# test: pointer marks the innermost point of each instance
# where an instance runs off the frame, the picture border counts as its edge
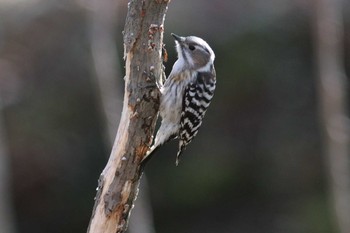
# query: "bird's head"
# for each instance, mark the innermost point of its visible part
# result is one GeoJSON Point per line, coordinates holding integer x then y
{"type": "Point", "coordinates": [194, 53]}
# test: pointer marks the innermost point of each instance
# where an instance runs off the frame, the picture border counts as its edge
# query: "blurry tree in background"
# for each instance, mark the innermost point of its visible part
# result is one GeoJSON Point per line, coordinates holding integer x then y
{"type": "Point", "coordinates": [103, 25]}
{"type": "Point", "coordinates": [257, 164]}
{"type": "Point", "coordinates": [333, 97]}
{"type": "Point", "coordinates": [6, 208]}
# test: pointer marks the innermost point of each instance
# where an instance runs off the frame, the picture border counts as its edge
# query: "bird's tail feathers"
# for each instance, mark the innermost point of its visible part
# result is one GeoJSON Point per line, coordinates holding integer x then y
{"type": "Point", "coordinates": [182, 147]}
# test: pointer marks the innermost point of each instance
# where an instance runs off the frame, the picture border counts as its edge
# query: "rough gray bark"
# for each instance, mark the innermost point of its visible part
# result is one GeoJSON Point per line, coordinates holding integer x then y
{"type": "Point", "coordinates": [118, 183]}
{"type": "Point", "coordinates": [332, 92]}
{"type": "Point", "coordinates": [108, 79]}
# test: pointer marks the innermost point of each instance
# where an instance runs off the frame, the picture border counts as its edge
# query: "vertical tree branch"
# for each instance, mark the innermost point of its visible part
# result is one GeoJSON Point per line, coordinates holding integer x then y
{"type": "Point", "coordinates": [332, 88]}
{"type": "Point", "coordinates": [118, 183]}
{"type": "Point", "coordinates": [108, 80]}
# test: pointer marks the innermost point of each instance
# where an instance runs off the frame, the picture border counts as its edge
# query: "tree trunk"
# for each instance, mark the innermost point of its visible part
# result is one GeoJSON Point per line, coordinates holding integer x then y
{"type": "Point", "coordinates": [332, 93]}
{"type": "Point", "coordinates": [118, 183]}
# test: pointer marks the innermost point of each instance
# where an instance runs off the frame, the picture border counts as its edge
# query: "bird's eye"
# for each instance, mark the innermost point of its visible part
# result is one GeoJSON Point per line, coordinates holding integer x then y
{"type": "Point", "coordinates": [191, 47]}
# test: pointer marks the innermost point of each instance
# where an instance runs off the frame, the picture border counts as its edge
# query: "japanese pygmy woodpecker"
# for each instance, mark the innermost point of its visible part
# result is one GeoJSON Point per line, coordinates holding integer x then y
{"type": "Point", "coordinates": [186, 93]}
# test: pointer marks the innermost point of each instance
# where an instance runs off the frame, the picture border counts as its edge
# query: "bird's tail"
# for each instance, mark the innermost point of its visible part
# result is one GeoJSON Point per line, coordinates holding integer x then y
{"type": "Point", "coordinates": [182, 147]}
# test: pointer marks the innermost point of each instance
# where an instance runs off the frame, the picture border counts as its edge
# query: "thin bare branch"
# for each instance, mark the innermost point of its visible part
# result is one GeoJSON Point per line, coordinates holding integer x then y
{"type": "Point", "coordinates": [118, 183]}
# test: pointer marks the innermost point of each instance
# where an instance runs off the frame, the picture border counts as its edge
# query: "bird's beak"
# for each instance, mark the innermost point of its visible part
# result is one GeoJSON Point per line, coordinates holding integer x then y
{"type": "Point", "coordinates": [178, 38]}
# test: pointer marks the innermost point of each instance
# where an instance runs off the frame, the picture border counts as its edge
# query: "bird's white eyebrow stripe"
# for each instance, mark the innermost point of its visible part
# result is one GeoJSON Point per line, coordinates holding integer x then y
{"type": "Point", "coordinates": [206, 50]}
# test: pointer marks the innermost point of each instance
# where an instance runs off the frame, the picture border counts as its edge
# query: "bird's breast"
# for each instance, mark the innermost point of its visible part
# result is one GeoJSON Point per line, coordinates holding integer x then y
{"type": "Point", "coordinates": [172, 95]}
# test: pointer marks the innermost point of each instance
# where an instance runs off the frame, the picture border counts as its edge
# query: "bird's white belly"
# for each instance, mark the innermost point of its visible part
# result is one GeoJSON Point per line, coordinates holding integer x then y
{"type": "Point", "coordinates": [171, 104]}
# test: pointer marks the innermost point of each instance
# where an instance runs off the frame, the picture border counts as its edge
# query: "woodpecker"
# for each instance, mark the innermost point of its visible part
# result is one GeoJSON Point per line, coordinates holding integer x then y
{"type": "Point", "coordinates": [186, 94]}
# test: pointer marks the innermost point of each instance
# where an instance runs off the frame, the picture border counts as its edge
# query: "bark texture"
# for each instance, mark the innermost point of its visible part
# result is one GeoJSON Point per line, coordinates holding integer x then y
{"type": "Point", "coordinates": [118, 183]}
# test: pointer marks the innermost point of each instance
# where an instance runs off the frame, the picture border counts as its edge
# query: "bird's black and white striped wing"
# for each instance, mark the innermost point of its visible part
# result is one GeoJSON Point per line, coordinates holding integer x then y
{"type": "Point", "coordinates": [196, 100]}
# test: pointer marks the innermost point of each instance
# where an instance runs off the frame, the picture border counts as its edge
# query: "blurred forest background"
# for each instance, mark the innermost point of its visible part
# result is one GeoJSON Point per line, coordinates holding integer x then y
{"type": "Point", "coordinates": [257, 165]}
